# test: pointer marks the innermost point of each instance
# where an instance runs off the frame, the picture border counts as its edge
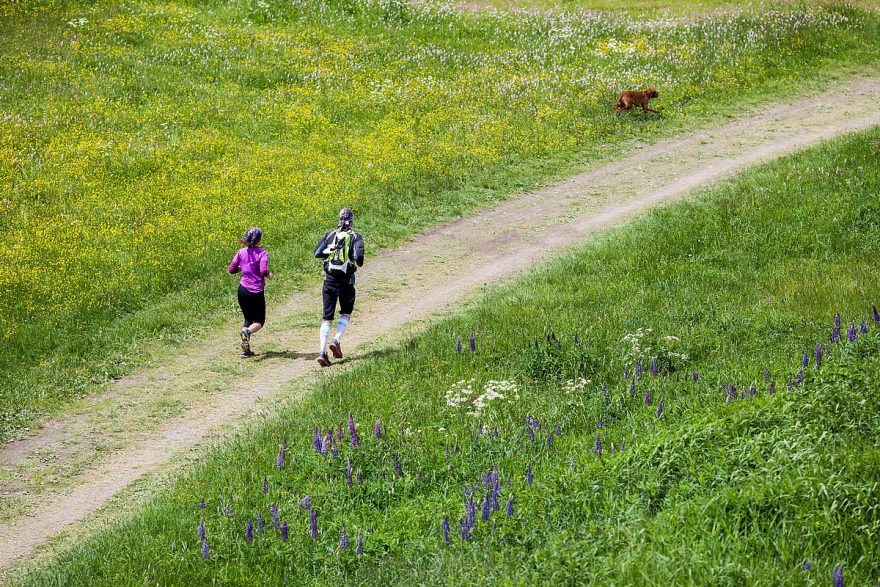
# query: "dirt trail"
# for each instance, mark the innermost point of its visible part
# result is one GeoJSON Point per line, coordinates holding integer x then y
{"type": "Point", "coordinates": [71, 467]}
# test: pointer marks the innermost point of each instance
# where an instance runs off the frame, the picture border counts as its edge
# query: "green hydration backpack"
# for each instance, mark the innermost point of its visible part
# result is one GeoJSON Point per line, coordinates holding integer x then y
{"type": "Point", "coordinates": [339, 264]}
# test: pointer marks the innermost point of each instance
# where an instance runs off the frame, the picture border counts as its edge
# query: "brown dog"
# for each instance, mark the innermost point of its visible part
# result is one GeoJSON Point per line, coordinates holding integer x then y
{"type": "Point", "coordinates": [629, 99]}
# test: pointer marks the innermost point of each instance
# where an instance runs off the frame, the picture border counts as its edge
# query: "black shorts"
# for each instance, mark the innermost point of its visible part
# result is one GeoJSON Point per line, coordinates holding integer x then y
{"type": "Point", "coordinates": [333, 292]}
{"type": "Point", "coordinates": [253, 306]}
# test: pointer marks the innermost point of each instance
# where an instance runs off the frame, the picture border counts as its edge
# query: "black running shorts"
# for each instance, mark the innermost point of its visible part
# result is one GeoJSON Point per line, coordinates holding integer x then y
{"type": "Point", "coordinates": [253, 306]}
{"type": "Point", "coordinates": [343, 293]}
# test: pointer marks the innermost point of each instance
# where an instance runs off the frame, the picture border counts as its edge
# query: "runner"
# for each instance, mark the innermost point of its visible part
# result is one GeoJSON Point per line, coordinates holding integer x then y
{"type": "Point", "coordinates": [253, 263]}
{"type": "Point", "coordinates": [343, 252]}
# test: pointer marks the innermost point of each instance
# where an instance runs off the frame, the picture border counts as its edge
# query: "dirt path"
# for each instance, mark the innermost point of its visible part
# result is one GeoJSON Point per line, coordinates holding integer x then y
{"type": "Point", "coordinates": [72, 467]}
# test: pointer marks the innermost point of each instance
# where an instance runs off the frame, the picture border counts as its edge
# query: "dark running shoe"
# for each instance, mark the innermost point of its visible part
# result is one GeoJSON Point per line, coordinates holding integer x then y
{"type": "Point", "coordinates": [324, 360]}
{"type": "Point", "coordinates": [245, 354]}
{"type": "Point", "coordinates": [245, 341]}
{"type": "Point", "coordinates": [336, 348]}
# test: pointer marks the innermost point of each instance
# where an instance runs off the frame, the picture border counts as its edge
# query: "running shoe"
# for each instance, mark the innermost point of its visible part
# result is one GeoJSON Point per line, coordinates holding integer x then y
{"type": "Point", "coordinates": [245, 341]}
{"type": "Point", "coordinates": [336, 348]}
{"type": "Point", "coordinates": [323, 359]}
{"type": "Point", "coordinates": [247, 353]}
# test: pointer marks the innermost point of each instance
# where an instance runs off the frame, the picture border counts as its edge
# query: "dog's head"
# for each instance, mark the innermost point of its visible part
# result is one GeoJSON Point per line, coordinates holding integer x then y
{"type": "Point", "coordinates": [652, 93]}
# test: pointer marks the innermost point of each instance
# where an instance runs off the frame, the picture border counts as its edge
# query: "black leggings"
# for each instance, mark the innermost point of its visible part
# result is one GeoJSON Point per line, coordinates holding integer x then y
{"type": "Point", "coordinates": [253, 306]}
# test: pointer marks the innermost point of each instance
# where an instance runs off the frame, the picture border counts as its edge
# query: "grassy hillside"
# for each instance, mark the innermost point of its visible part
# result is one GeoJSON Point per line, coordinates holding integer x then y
{"type": "Point", "coordinates": [677, 406]}
{"type": "Point", "coordinates": [138, 140]}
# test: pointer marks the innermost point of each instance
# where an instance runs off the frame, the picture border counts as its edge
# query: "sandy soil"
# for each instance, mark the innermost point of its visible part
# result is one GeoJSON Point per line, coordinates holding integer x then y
{"type": "Point", "coordinates": [71, 467]}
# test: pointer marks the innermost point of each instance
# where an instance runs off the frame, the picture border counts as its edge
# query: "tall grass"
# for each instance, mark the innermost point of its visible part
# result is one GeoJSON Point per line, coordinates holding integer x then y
{"type": "Point", "coordinates": [139, 140]}
{"type": "Point", "coordinates": [723, 486]}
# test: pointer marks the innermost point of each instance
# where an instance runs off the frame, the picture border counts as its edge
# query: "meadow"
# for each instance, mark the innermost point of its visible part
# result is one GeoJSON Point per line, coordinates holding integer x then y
{"type": "Point", "coordinates": [138, 140]}
{"type": "Point", "coordinates": [688, 399]}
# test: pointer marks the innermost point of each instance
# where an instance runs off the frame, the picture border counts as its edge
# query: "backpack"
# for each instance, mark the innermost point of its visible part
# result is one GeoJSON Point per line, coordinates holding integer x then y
{"type": "Point", "coordinates": [339, 264]}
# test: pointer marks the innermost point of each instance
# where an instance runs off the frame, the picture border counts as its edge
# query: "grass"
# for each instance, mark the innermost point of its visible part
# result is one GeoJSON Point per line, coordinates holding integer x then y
{"type": "Point", "coordinates": [737, 284]}
{"type": "Point", "coordinates": [133, 135]}
{"type": "Point", "coordinates": [640, 7]}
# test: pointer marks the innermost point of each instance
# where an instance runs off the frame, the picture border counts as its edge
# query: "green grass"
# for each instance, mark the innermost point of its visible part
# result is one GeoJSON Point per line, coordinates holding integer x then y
{"type": "Point", "coordinates": [139, 140]}
{"type": "Point", "coordinates": [747, 277]}
{"type": "Point", "coordinates": [641, 7]}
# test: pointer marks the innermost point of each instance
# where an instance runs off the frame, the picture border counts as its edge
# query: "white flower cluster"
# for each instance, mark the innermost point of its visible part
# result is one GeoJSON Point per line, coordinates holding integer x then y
{"type": "Point", "coordinates": [634, 340]}
{"type": "Point", "coordinates": [574, 385]}
{"type": "Point", "coordinates": [463, 395]}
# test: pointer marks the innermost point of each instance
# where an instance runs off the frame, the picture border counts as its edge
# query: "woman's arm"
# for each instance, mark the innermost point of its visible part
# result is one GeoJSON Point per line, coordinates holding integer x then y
{"type": "Point", "coordinates": [264, 264]}
{"type": "Point", "coordinates": [234, 266]}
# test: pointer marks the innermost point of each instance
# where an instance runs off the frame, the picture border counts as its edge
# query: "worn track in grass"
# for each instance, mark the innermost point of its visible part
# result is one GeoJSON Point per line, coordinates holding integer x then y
{"type": "Point", "coordinates": [68, 469]}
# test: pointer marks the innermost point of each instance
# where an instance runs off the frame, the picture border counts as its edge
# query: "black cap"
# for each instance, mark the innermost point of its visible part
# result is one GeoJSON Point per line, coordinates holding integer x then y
{"type": "Point", "coordinates": [346, 216]}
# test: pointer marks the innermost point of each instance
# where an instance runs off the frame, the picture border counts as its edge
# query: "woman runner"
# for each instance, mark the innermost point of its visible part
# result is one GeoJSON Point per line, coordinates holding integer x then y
{"type": "Point", "coordinates": [253, 263]}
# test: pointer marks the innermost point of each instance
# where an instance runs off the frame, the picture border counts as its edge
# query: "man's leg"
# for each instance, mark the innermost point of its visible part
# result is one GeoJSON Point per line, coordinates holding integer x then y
{"type": "Point", "coordinates": [336, 343]}
{"type": "Point", "coordinates": [330, 296]}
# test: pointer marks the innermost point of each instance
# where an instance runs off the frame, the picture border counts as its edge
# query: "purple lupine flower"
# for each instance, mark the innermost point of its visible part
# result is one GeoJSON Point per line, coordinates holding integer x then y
{"type": "Point", "coordinates": [876, 313]}
{"type": "Point", "coordinates": [743, 394]}
{"type": "Point", "coordinates": [852, 332]}
{"type": "Point", "coordinates": [377, 430]}
{"type": "Point", "coordinates": [529, 474]}
{"type": "Point", "coordinates": [496, 491]}
{"type": "Point", "coordinates": [648, 397]}
{"type": "Point", "coordinates": [550, 440]}
{"type": "Point", "coordinates": [531, 432]}
{"type": "Point", "coordinates": [510, 507]}
{"type": "Point", "coordinates": [601, 423]}
{"type": "Point", "coordinates": [273, 509]}
{"type": "Point", "coordinates": [654, 368]}
{"type": "Point", "coordinates": [228, 510]}
{"type": "Point", "coordinates": [334, 448]}
{"type": "Point", "coordinates": [472, 342]}
{"type": "Point", "coordinates": [495, 432]}
{"type": "Point", "coordinates": [420, 475]}
{"type": "Point", "coordinates": [201, 531]}
{"type": "Point", "coordinates": [632, 387]}
{"type": "Point", "coordinates": [343, 539]}
{"type": "Point", "coordinates": [696, 376]}
{"type": "Point", "coordinates": [348, 473]}
{"type": "Point", "coordinates": [837, 575]}
{"type": "Point", "coordinates": [306, 503]}
{"type": "Point", "coordinates": [458, 345]}
{"type": "Point", "coordinates": [446, 529]}
{"type": "Point", "coordinates": [808, 566]}
{"type": "Point", "coordinates": [559, 430]}
{"type": "Point", "coordinates": [597, 449]}
{"type": "Point", "coordinates": [864, 327]}
{"type": "Point", "coordinates": [318, 442]}
{"type": "Point", "coordinates": [398, 467]}
{"type": "Point", "coordinates": [625, 373]}
{"type": "Point", "coordinates": [360, 478]}
{"type": "Point", "coordinates": [488, 479]}
{"type": "Point", "coordinates": [265, 485]}
{"type": "Point", "coordinates": [789, 386]}
{"type": "Point", "coordinates": [622, 445]}
{"type": "Point", "coordinates": [605, 394]}
{"type": "Point", "coordinates": [279, 460]}
{"type": "Point", "coordinates": [818, 354]}
{"type": "Point", "coordinates": [767, 374]}
{"type": "Point", "coordinates": [577, 340]}
{"type": "Point", "coordinates": [359, 542]}
{"type": "Point", "coordinates": [753, 390]}
{"type": "Point", "coordinates": [494, 477]}
{"type": "Point", "coordinates": [837, 320]}
{"type": "Point", "coordinates": [261, 524]}
{"type": "Point", "coordinates": [733, 392]}
{"type": "Point", "coordinates": [639, 369]}
{"type": "Point", "coordinates": [325, 444]}
{"type": "Point", "coordinates": [249, 531]}
{"type": "Point", "coordinates": [806, 361]}
{"type": "Point", "coordinates": [465, 530]}
{"type": "Point", "coordinates": [772, 388]}
{"type": "Point", "coordinates": [340, 433]}
{"type": "Point", "coordinates": [352, 432]}
{"type": "Point", "coordinates": [202, 503]}
{"type": "Point", "coordinates": [206, 553]}
{"type": "Point", "coordinates": [284, 530]}
{"type": "Point", "coordinates": [835, 335]}
{"type": "Point", "coordinates": [487, 507]}
{"type": "Point", "coordinates": [800, 378]}
{"type": "Point", "coordinates": [479, 430]}
{"type": "Point", "coordinates": [660, 408]}
{"type": "Point", "coordinates": [313, 524]}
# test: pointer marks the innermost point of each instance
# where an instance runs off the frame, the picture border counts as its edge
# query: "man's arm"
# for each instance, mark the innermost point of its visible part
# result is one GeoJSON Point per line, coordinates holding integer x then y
{"type": "Point", "coordinates": [357, 245]}
{"type": "Point", "coordinates": [319, 250]}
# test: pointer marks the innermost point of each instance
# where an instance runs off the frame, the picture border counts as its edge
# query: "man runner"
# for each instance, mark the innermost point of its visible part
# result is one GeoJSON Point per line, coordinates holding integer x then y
{"type": "Point", "coordinates": [342, 250]}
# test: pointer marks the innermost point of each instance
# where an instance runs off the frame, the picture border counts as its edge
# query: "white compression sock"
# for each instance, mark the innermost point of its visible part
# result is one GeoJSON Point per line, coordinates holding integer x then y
{"type": "Point", "coordinates": [341, 325]}
{"type": "Point", "coordinates": [325, 334]}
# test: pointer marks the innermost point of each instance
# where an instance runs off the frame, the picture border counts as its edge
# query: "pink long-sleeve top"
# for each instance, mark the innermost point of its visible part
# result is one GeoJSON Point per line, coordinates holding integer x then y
{"type": "Point", "coordinates": [253, 262]}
